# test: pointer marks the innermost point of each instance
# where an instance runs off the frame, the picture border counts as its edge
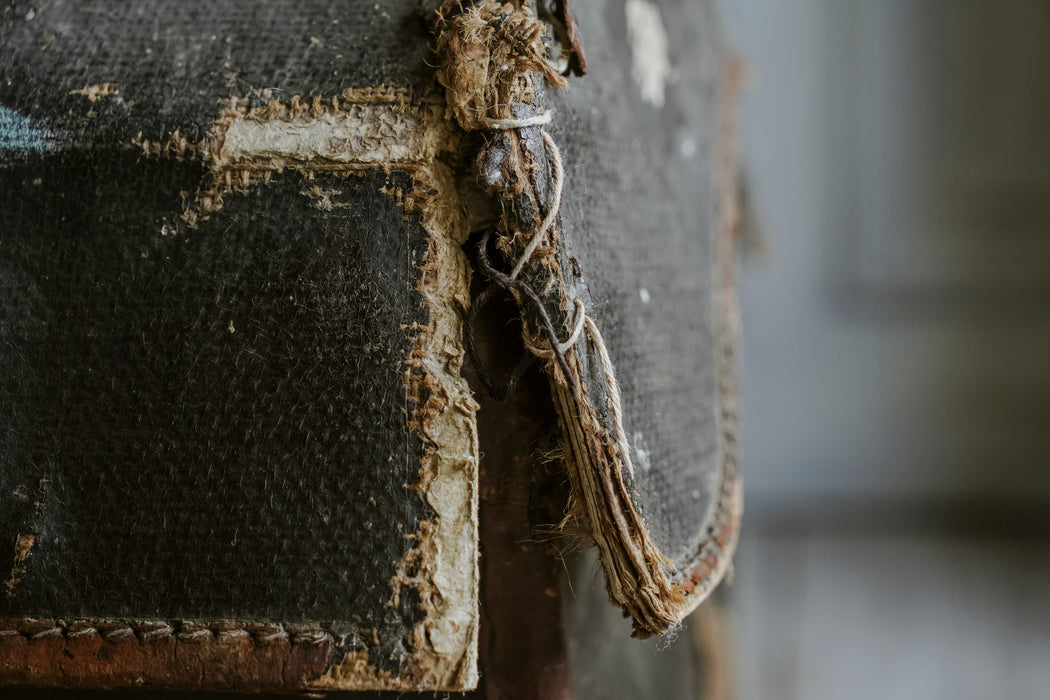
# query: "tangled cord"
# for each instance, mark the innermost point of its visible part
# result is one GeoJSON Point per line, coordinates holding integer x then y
{"type": "Point", "coordinates": [521, 291]}
{"type": "Point", "coordinates": [549, 347]}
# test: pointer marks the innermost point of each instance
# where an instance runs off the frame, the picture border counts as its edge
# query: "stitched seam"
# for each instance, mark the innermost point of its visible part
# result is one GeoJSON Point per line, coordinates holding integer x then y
{"type": "Point", "coordinates": [146, 631]}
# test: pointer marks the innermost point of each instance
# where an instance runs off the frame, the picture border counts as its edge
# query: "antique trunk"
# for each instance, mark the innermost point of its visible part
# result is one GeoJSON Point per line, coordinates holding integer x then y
{"type": "Point", "coordinates": [252, 259]}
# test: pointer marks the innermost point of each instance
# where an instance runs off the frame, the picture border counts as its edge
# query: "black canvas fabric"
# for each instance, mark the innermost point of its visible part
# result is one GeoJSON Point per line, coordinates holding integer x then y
{"type": "Point", "coordinates": [202, 422]}
{"type": "Point", "coordinates": [197, 423]}
{"type": "Point", "coordinates": [641, 217]}
{"type": "Point", "coordinates": [173, 61]}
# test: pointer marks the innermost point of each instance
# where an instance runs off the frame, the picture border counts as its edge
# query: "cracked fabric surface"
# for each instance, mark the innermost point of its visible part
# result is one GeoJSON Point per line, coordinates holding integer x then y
{"type": "Point", "coordinates": [229, 393]}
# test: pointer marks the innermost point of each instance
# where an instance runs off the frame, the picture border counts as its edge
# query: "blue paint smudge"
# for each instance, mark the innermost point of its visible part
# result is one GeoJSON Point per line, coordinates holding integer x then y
{"type": "Point", "coordinates": [18, 136]}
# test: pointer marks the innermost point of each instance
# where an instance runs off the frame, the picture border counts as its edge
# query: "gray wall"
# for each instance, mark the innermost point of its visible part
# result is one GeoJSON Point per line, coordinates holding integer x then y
{"type": "Point", "coordinates": [896, 379]}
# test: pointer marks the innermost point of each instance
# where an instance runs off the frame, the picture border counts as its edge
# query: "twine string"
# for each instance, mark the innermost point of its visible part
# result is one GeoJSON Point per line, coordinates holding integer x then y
{"type": "Point", "coordinates": [505, 124]}
{"type": "Point", "coordinates": [521, 290]}
{"type": "Point", "coordinates": [551, 347]}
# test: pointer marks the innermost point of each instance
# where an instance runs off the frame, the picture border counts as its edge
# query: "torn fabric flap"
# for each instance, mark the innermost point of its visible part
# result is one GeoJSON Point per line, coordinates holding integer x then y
{"type": "Point", "coordinates": [616, 233]}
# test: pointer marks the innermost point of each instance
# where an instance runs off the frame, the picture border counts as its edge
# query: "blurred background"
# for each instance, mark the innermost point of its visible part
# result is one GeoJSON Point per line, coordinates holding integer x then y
{"type": "Point", "coordinates": [896, 361]}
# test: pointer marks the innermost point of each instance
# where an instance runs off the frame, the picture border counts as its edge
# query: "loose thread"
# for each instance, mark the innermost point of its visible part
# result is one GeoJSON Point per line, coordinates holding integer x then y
{"type": "Point", "coordinates": [613, 391]}
{"type": "Point", "coordinates": [548, 352]}
{"type": "Point", "coordinates": [552, 211]}
{"type": "Point", "coordinates": [521, 289]}
{"type": "Point", "coordinates": [556, 349]}
{"type": "Point", "coordinates": [505, 124]}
